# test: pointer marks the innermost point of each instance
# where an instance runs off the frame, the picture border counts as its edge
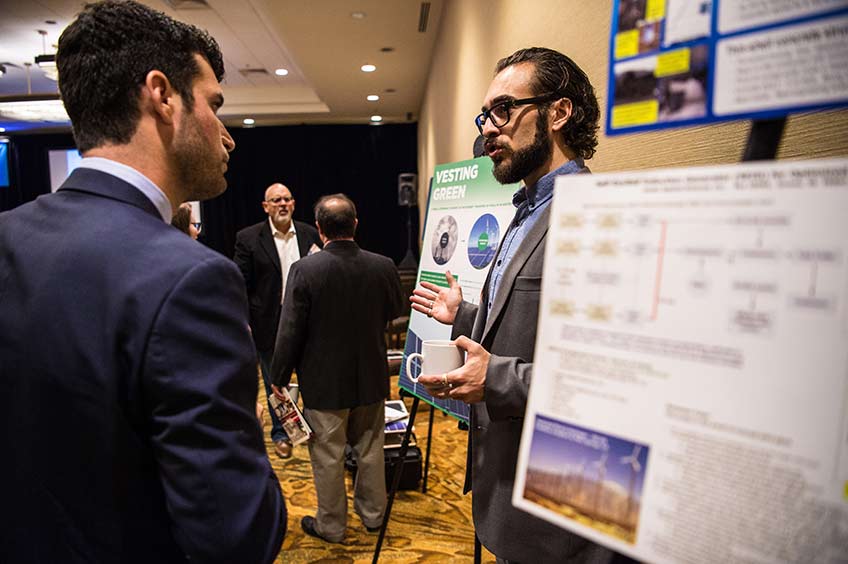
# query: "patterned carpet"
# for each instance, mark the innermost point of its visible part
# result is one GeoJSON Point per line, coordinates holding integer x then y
{"type": "Point", "coordinates": [431, 527]}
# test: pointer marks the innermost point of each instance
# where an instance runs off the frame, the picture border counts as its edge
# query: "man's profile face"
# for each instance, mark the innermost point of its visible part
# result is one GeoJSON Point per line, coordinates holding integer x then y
{"type": "Point", "coordinates": [201, 142]}
{"type": "Point", "coordinates": [521, 149]}
{"type": "Point", "coordinates": [278, 204]}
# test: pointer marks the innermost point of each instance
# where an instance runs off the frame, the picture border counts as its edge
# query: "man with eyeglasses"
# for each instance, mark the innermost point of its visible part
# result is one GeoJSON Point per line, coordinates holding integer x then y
{"type": "Point", "coordinates": [264, 253]}
{"type": "Point", "coordinates": [539, 121]}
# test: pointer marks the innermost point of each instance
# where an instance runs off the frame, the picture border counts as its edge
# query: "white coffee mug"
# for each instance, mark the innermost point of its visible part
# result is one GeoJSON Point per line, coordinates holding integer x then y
{"type": "Point", "coordinates": [437, 357]}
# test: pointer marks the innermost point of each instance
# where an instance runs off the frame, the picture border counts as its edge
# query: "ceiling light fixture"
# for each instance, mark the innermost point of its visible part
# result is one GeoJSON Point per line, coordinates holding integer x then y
{"type": "Point", "coordinates": [358, 15]}
{"type": "Point", "coordinates": [281, 72]}
{"type": "Point", "coordinates": [376, 119]}
{"type": "Point", "coordinates": [2, 130]}
{"type": "Point", "coordinates": [248, 121]}
{"type": "Point", "coordinates": [372, 97]}
{"type": "Point", "coordinates": [368, 68]}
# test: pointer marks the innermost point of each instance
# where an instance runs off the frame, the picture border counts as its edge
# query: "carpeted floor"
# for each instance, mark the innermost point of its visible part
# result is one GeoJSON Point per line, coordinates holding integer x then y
{"type": "Point", "coordinates": [431, 527]}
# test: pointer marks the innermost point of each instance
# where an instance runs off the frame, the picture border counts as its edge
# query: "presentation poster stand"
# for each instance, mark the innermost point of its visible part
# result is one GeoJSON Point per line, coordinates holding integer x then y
{"type": "Point", "coordinates": [468, 212]}
{"type": "Point", "coordinates": [690, 390]}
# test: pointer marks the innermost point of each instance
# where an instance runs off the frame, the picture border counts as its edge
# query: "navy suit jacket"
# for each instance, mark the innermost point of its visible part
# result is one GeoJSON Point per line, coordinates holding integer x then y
{"type": "Point", "coordinates": [129, 385]}
{"type": "Point", "coordinates": [257, 258]}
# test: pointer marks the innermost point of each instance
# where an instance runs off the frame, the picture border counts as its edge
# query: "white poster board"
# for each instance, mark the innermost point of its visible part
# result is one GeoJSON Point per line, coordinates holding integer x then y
{"type": "Point", "coordinates": [689, 400]}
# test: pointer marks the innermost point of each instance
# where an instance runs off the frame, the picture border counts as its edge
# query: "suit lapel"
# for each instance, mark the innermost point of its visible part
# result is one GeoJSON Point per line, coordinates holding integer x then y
{"type": "Point", "coordinates": [525, 249]}
{"type": "Point", "coordinates": [303, 243]}
{"type": "Point", "coordinates": [266, 243]}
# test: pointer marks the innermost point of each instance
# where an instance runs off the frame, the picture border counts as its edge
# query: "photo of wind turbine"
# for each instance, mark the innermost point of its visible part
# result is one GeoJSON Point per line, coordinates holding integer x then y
{"type": "Point", "coordinates": [590, 477]}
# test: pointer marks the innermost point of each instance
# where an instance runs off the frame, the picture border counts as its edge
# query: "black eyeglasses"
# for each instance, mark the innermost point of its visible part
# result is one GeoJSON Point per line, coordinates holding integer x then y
{"type": "Point", "coordinates": [500, 112]}
{"type": "Point", "coordinates": [279, 199]}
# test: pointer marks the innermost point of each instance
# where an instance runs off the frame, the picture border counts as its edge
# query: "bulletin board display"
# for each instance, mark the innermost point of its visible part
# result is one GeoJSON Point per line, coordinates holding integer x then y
{"type": "Point", "coordinates": [690, 62]}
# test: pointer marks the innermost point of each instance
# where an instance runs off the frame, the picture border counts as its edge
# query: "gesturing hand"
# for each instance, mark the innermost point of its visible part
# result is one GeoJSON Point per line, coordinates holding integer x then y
{"type": "Point", "coordinates": [437, 302]}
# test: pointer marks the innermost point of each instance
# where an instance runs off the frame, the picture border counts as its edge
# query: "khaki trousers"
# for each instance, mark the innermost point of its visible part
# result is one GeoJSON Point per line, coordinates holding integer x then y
{"type": "Point", "coordinates": [362, 428]}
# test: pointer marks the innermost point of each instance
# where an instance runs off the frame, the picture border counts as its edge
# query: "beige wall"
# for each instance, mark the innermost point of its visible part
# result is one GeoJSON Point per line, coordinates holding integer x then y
{"type": "Point", "coordinates": [474, 34]}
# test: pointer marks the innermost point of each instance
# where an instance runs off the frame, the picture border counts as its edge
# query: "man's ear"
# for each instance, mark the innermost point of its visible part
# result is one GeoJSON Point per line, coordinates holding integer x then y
{"type": "Point", "coordinates": [161, 95]}
{"type": "Point", "coordinates": [561, 109]}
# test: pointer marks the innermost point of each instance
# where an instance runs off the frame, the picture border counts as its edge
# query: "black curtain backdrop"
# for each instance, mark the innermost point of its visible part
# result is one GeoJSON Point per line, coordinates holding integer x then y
{"type": "Point", "coordinates": [362, 161]}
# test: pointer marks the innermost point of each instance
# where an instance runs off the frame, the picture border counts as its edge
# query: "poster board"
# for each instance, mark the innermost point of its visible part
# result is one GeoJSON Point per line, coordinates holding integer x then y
{"type": "Point", "coordinates": [468, 212]}
{"type": "Point", "coordinates": [691, 62]}
{"type": "Point", "coordinates": [689, 400]}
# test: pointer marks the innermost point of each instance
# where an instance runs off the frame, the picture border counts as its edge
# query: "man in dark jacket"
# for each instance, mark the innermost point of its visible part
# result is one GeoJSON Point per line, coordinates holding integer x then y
{"type": "Point", "coordinates": [264, 253]}
{"type": "Point", "coordinates": [332, 332]}
{"type": "Point", "coordinates": [128, 375]}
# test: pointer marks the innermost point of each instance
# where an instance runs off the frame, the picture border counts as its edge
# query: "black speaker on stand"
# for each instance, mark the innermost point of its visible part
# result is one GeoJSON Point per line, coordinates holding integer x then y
{"type": "Point", "coordinates": [408, 198]}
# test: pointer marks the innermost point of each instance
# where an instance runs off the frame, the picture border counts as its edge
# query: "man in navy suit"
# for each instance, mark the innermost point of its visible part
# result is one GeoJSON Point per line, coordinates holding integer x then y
{"type": "Point", "coordinates": [126, 363]}
{"type": "Point", "coordinates": [264, 253]}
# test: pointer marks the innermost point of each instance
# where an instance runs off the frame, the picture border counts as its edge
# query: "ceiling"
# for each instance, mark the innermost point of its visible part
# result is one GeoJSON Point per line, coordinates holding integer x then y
{"type": "Point", "coordinates": [322, 44]}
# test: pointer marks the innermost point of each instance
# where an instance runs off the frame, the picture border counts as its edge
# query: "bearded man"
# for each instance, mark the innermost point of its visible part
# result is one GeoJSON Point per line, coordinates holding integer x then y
{"type": "Point", "coordinates": [539, 121]}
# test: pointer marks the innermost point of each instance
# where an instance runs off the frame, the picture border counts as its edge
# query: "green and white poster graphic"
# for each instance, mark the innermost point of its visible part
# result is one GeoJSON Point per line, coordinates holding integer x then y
{"type": "Point", "coordinates": [468, 213]}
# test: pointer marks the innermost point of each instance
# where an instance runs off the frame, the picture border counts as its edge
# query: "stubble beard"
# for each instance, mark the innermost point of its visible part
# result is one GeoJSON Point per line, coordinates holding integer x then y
{"type": "Point", "coordinates": [198, 167]}
{"type": "Point", "coordinates": [526, 160]}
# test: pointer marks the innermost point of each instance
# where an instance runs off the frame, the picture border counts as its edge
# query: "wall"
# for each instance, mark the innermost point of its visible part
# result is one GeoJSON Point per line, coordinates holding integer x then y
{"type": "Point", "coordinates": [362, 161]}
{"type": "Point", "coordinates": [474, 34]}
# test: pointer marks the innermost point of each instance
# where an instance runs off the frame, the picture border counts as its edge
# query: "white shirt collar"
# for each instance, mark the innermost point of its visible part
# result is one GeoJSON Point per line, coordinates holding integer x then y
{"type": "Point", "coordinates": [134, 178]}
{"type": "Point", "coordinates": [274, 229]}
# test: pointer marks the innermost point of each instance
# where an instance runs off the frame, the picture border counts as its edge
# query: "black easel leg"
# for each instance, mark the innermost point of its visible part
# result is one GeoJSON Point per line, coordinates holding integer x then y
{"type": "Point", "coordinates": [398, 471]}
{"type": "Point", "coordinates": [427, 457]}
{"type": "Point", "coordinates": [478, 550]}
{"type": "Point", "coordinates": [764, 139]}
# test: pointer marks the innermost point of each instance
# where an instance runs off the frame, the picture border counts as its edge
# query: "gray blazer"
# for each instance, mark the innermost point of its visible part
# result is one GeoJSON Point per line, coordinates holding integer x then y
{"type": "Point", "coordinates": [509, 334]}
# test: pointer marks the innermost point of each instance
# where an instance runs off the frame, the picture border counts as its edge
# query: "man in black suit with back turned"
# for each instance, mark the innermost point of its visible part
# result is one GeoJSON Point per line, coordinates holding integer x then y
{"type": "Point", "coordinates": [127, 372]}
{"type": "Point", "coordinates": [332, 332]}
{"type": "Point", "coordinates": [264, 253]}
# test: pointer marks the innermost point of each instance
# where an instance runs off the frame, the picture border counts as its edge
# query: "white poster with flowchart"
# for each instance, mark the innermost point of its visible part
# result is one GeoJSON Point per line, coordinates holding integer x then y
{"type": "Point", "coordinates": [689, 400]}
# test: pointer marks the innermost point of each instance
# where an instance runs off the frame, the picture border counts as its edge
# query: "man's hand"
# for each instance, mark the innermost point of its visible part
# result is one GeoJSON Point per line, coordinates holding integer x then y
{"type": "Point", "coordinates": [277, 392]}
{"type": "Point", "coordinates": [468, 382]}
{"type": "Point", "coordinates": [439, 303]}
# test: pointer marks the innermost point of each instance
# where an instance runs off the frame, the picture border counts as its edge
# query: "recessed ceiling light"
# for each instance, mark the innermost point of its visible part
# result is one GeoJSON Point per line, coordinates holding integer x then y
{"type": "Point", "coordinates": [281, 72]}
{"type": "Point", "coordinates": [248, 121]}
{"type": "Point", "coordinates": [376, 118]}
{"type": "Point", "coordinates": [368, 68]}
{"type": "Point", "coordinates": [2, 130]}
{"type": "Point", "coordinates": [372, 97]}
{"type": "Point", "coordinates": [358, 15]}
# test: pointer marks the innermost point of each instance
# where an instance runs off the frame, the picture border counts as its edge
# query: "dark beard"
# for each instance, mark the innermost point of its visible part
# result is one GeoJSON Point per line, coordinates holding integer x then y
{"type": "Point", "coordinates": [196, 163]}
{"type": "Point", "coordinates": [527, 159]}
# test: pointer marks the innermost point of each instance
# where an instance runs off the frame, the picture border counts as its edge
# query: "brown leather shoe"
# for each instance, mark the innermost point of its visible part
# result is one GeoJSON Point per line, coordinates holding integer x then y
{"type": "Point", "coordinates": [283, 448]}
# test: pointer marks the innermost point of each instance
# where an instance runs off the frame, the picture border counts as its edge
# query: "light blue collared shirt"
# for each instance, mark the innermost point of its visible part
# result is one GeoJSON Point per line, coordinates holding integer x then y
{"type": "Point", "coordinates": [530, 202]}
{"type": "Point", "coordinates": [134, 178]}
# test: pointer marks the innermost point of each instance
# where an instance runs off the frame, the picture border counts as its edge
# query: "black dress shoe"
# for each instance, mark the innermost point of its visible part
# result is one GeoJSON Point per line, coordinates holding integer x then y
{"type": "Point", "coordinates": [308, 526]}
{"type": "Point", "coordinates": [373, 529]}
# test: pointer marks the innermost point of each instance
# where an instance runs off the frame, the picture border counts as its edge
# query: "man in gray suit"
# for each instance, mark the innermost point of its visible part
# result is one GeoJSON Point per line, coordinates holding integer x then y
{"type": "Point", "coordinates": [539, 121]}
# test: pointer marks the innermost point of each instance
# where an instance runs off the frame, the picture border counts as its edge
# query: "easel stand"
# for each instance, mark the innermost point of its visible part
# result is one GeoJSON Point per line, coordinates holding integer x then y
{"type": "Point", "coordinates": [764, 139]}
{"type": "Point", "coordinates": [404, 446]}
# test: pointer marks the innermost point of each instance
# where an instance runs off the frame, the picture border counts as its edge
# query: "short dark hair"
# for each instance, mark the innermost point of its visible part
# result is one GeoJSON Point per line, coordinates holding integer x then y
{"type": "Point", "coordinates": [336, 216]}
{"type": "Point", "coordinates": [182, 218]}
{"type": "Point", "coordinates": [556, 73]}
{"type": "Point", "coordinates": [104, 57]}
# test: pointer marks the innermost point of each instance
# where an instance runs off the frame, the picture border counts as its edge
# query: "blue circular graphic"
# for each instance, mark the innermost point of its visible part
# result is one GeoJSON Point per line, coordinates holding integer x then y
{"type": "Point", "coordinates": [483, 241]}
